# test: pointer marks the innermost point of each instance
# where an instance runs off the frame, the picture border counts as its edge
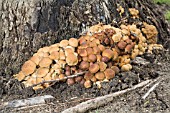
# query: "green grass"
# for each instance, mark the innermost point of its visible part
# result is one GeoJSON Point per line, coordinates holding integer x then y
{"type": "Point", "coordinates": [167, 15]}
{"type": "Point", "coordinates": [162, 1]}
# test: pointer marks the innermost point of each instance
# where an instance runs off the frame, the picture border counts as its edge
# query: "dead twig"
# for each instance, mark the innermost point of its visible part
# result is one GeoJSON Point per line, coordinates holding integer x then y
{"type": "Point", "coordinates": [150, 90]}
{"type": "Point", "coordinates": [57, 80]}
{"type": "Point", "coordinates": [99, 101]}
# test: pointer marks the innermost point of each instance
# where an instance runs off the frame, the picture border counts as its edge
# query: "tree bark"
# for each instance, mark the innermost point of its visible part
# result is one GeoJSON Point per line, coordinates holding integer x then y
{"type": "Point", "coordinates": [28, 25]}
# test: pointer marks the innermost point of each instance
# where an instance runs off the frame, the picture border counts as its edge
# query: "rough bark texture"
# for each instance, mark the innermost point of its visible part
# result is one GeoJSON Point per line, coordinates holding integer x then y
{"type": "Point", "coordinates": [31, 24]}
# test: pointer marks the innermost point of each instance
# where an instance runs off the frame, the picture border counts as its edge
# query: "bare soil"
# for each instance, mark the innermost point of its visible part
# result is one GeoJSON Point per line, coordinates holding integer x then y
{"type": "Point", "coordinates": [68, 96]}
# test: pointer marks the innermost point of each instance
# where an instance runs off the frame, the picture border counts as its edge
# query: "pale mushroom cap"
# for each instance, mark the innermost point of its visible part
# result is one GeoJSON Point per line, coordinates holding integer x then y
{"type": "Point", "coordinates": [28, 67]}
{"type": "Point", "coordinates": [63, 43]}
{"type": "Point", "coordinates": [73, 42]}
{"type": "Point", "coordinates": [36, 59]}
{"type": "Point", "coordinates": [45, 62]}
{"type": "Point", "coordinates": [87, 84]}
{"type": "Point", "coordinates": [68, 51]}
{"type": "Point", "coordinates": [44, 49]}
{"type": "Point", "coordinates": [71, 59]}
{"type": "Point", "coordinates": [55, 55]}
{"type": "Point", "coordinates": [82, 52]}
{"type": "Point", "coordinates": [39, 80]}
{"type": "Point", "coordinates": [20, 76]}
{"type": "Point", "coordinates": [54, 48]}
{"type": "Point", "coordinates": [41, 72]}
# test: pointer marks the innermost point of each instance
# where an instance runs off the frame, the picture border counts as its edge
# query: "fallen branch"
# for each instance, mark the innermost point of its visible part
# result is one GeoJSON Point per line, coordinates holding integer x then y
{"type": "Point", "coordinates": [57, 80]}
{"type": "Point", "coordinates": [27, 102]}
{"type": "Point", "coordinates": [150, 90]}
{"type": "Point", "coordinates": [99, 101]}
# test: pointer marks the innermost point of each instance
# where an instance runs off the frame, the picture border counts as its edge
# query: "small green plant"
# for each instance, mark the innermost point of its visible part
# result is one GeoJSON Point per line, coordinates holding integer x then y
{"type": "Point", "coordinates": [162, 1]}
{"type": "Point", "coordinates": [167, 15]}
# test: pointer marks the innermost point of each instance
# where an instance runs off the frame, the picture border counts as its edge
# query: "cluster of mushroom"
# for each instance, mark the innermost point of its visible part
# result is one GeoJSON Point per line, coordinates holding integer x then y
{"type": "Point", "coordinates": [103, 52]}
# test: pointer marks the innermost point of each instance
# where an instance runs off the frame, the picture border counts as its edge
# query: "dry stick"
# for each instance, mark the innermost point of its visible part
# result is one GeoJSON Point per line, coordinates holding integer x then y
{"type": "Point", "coordinates": [57, 80]}
{"type": "Point", "coordinates": [99, 101]}
{"type": "Point", "coordinates": [150, 90]}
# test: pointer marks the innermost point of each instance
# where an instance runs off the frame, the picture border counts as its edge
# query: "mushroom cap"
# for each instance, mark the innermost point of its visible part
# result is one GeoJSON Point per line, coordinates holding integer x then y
{"type": "Point", "coordinates": [94, 68]}
{"type": "Point", "coordinates": [108, 53]}
{"type": "Point", "coordinates": [82, 52]}
{"type": "Point", "coordinates": [78, 79]}
{"type": "Point", "coordinates": [115, 69]}
{"type": "Point", "coordinates": [92, 58]}
{"type": "Point", "coordinates": [85, 58]}
{"type": "Point", "coordinates": [73, 42]}
{"type": "Point", "coordinates": [82, 40]}
{"type": "Point", "coordinates": [71, 59]}
{"type": "Point", "coordinates": [63, 43]}
{"type": "Point", "coordinates": [93, 79]}
{"type": "Point", "coordinates": [101, 47]}
{"type": "Point", "coordinates": [96, 50]}
{"type": "Point", "coordinates": [68, 51]}
{"type": "Point", "coordinates": [44, 49]}
{"type": "Point", "coordinates": [45, 62]}
{"type": "Point", "coordinates": [102, 66]}
{"type": "Point", "coordinates": [20, 76]}
{"type": "Point", "coordinates": [87, 84]}
{"type": "Point", "coordinates": [88, 75]}
{"type": "Point", "coordinates": [70, 81]}
{"type": "Point", "coordinates": [129, 48]}
{"type": "Point", "coordinates": [105, 59]}
{"type": "Point", "coordinates": [116, 54]}
{"type": "Point", "coordinates": [92, 44]}
{"type": "Point", "coordinates": [126, 67]}
{"type": "Point", "coordinates": [89, 50]}
{"type": "Point", "coordinates": [36, 59]}
{"type": "Point", "coordinates": [48, 77]}
{"type": "Point", "coordinates": [109, 73]}
{"type": "Point", "coordinates": [28, 67]}
{"type": "Point", "coordinates": [55, 55]}
{"type": "Point", "coordinates": [122, 45]}
{"type": "Point", "coordinates": [84, 65]}
{"type": "Point", "coordinates": [54, 48]}
{"type": "Point", "coordinates": [38, 80]}
{"type": "Point", "coordinates": [41, 72]}
{"type": "Point", "coordinates": [100, 75]}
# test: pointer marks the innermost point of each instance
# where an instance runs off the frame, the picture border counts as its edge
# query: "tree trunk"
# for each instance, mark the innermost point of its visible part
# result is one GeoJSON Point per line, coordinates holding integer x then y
{"type": "Point", "coordinates": [28, 25]}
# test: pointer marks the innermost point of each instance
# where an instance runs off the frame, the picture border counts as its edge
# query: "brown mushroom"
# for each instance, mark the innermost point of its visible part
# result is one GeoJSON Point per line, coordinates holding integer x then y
{"type": "Point", "coordinates": [102, 66]}
{"type": "Point", "coordinates": [41, 72]}
{"type": "Point", "coordinates": [94, 68]}
{"type": "Point", "coordinates": [126, 67]}
{"type": "Point", "coordinates": [28, 67]}
{"type": "Point", "coordinates": [70, 81]}
{"type": "Point", "coordinates": [109, 73]}
{"type": "Point", "coordinates": [82, 52]}
{"type": "Point", "coordinates": [54, 48]}
{"type": "Point", "coordinates": [88, 75]}
{"type": "Point", "coordinates": [99, 57]}
{"type": "Point", "coordinates": [122, 45]}
{"type": "Point", "coordinates": [62, 55]}
{"type": "Point", "coordinates": [115, 69]}
{"type": "Point", "coordinates": [92, 58]}
{"type": "Point", "coordinates": [68, 51]}
{"type": "Point", "coordinates": [93, 79]}
{"type": "Point", "coordinates": [96, 50]}
{"type": "Point", "coordinates": [87, 84]}
{"type": "Point", "coordinates": [45, 62]}
{"type": "Point", "coordinates": [108, 53]}
{"type": "Point", "coordinates": [101, 47]}
{"type": "Point", "coordinates": [105, 59]}
{"type": "Point", "coordinates": [84, 65]}
{"type": "Point", "coordinates": [62, 77]}
{"type": "Point", "coordinates": [38, 87]}
{"type": "Point", "coordinates": [78, 79]}
{"type": "Point", "coordinates": [100, 75]}
{"type": "Point", "coordinates": [89, 50]}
